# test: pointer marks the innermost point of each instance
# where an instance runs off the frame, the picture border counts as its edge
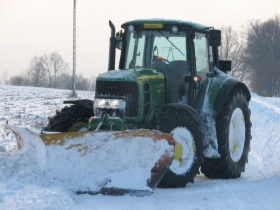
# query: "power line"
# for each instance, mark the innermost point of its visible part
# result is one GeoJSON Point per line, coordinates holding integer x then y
{"type": "Point", "coordinates": [106, 11]}
{"type": "Point", "coordinates": [92, 10]}
{"type": "Point", "coordinates": [120, 9]}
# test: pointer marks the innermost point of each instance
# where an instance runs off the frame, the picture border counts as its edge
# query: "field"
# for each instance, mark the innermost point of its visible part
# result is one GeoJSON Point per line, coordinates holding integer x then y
{"type": "Point", "coordinates": [23, 186]}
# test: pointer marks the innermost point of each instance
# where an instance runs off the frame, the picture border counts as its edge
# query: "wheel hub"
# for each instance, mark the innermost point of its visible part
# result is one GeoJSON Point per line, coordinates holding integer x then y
{"type": "Point", "coordinates": [236, 134]}
{"type": "Point", "coordinates": [178, 152]}
{"type": "Point", "coordinates": [184, 151]}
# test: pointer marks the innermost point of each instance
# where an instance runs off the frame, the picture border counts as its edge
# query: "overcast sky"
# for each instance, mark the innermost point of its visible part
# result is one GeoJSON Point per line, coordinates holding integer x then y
{"type": "Point", "coordinates": [35, 27]}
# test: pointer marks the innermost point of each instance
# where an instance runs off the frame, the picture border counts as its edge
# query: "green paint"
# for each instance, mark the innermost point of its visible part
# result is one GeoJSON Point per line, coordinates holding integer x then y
{"type": "Point", "coordinates": [143, 78]}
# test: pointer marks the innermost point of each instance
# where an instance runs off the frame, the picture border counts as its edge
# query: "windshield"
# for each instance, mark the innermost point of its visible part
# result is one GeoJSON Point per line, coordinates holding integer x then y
{"type": "Point", "coordinates": [144, 47]}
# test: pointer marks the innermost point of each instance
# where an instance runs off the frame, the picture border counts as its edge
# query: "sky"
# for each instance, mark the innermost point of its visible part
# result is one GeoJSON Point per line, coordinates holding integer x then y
{"type": "Point", "coordinates": [31, 28]}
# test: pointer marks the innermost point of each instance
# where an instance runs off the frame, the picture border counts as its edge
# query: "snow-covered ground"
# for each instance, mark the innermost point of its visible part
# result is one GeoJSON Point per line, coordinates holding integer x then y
{"type": "Point", "coordinates": [23, 186]}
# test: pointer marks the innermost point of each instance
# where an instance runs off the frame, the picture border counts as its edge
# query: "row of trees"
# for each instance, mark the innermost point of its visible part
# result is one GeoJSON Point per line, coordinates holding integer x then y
{"type": "Point", "coordinates": [51, 71]}
{"type": "Point", "coordinates": [255, 55]}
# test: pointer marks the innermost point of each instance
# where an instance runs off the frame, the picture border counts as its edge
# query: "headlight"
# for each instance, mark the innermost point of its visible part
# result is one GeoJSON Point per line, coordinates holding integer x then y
{"type": "Point", "coordinates": [131, 28]}
{"type": "Point", "coordinates": [109, 104]}
{"type": "Point", "coordinates": [117, 104]}
{"type": "Point", "coordinates": [174, 29]}
{"type": "Point", "coordinates": [101, 102]}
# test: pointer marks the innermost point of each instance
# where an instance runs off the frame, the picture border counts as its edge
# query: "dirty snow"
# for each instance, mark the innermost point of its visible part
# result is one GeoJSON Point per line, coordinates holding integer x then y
{"type": "Point", "coordinates": [22, 185]}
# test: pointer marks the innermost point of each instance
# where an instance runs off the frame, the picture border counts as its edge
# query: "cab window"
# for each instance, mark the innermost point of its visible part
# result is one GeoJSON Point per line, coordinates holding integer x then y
{"type": "Point", "coordinates": [136, 50]}
{"type": "Point", "coordinates": [201, 54]}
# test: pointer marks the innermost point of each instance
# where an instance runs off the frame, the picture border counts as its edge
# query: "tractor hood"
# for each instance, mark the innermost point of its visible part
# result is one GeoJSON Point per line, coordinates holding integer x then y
{"type": "Point", "coordinates": [142, 89]}
{"type": "Point", "coordinates": [138, 75]}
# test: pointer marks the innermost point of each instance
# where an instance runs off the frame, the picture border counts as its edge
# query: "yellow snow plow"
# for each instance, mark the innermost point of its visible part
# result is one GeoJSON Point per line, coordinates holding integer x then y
{"type": "Point", "coordinates": [115, 163]}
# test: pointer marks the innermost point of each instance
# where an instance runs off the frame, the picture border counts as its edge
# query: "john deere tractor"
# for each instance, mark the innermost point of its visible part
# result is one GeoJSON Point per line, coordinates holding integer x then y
{"type": "Point", "coordinates": [170, 79]}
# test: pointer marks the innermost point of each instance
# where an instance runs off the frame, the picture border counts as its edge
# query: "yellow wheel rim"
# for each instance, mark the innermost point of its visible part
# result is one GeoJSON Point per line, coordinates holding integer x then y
{"type": "Point", "coordinates": [78, 126]}
{"type": "Point", "coordinates": [184, 153]}
{"type": "Point", "coordinates": [178, 151]}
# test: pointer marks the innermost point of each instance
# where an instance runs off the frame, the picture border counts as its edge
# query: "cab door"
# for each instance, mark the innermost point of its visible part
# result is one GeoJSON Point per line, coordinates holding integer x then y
{"type": "Point", "coordinates": [202, 56]}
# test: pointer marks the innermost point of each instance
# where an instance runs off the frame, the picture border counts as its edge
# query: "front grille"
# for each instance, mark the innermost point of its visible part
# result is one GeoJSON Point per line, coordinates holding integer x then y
{"type": "Point", "coordinates": [121, 90]}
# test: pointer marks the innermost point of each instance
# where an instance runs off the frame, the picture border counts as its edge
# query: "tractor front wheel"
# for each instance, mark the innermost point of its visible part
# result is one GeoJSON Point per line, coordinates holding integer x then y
{"type": "Point", "coordinates": [69, 119]}
{"type": "Point", "coordinates": [188, 147]}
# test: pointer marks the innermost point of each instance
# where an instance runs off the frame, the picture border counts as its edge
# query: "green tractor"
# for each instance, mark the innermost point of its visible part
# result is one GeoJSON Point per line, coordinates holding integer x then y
{"type": "Point", "coordinates": [170, 79]}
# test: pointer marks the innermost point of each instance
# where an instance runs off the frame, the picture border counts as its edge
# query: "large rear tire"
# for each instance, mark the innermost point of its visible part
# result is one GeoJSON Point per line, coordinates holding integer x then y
{"type": "Point", "coordinates": [188, 147]}
{"type": "Point", "coordinates": [233, 127]}
{"type": "Point", "coordinates": [72, 118]}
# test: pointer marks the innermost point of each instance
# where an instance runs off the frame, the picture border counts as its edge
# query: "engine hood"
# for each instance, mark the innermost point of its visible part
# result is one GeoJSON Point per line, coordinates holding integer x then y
{"type": "Point", "coordinates": [137, 75]}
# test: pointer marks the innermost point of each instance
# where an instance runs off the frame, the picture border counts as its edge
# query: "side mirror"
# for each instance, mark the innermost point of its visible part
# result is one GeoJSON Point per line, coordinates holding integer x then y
{"type": "Point", "coordinates": [214, 38]}
{"type": "Point", "coordinates": [225, 66]}
{"type": "Point", "coordinates": [119, 40]}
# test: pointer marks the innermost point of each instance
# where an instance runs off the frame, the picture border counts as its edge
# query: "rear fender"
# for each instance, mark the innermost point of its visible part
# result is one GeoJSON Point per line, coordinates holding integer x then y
{"type": "Point", "coordinates": [224, 91]}
{"type": "Point", "coordinates": [213, 92]}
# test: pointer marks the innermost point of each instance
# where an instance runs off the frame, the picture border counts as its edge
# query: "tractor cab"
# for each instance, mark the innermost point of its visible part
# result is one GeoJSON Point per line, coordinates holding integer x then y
{"type": "Point", "coordinates": [182, 51]}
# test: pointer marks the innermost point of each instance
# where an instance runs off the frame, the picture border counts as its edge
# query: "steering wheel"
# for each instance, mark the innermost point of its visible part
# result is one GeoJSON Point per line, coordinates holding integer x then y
{"type": "Point", "coordinates": [166, 61]}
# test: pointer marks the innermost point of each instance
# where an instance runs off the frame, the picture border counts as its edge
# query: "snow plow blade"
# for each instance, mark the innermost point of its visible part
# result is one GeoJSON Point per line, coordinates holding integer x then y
{"type": "Point", "coordinates": [111, 163]}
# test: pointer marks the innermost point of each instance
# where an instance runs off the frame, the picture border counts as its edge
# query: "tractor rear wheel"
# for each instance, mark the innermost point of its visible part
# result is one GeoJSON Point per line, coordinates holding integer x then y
{"type": "Point", "coordinates": [233, 127]}
{"type": "Point", "coordinates": [188, 147]}
{"type": "Point", "coordinates": [69, 119]}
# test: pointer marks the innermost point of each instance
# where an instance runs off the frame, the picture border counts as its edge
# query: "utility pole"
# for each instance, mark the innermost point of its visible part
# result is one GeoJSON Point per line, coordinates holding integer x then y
{"type": "Point", "coordinates": [74, 94]}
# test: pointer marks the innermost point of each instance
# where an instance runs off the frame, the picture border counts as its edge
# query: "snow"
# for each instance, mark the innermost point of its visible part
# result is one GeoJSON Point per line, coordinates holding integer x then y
{"type": "Point", "coordinates": [23, 186]}
{"type": "Point", "coordinates": [95, 160]}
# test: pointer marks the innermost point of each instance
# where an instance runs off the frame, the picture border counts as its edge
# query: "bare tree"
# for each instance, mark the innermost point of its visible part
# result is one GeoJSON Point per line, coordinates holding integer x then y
{"type": "Point", "coordinates": [17, 80]}
{"type": "Point", "coordinates": [36, 71]}
{"type": "Point", "coordinates": [50, 70]}
{"type": "Point", "coordinates": [55, 67]}
{"type": "Point", "coordinates": [26, 80]}
{"type": "Point", "coordinates": [262, 56]}
{"type": "Point", "coordinates": [65, 81]}
{"type": "Point", "coordinates": [92, 83]}
{"type": "Point", "coordinates": [20, 80]}
{"type": "Point", "coordinates": [82, 83]}
{"type": "Point", "coordinates": [5, 78]}
{"type": "Point", "coordinates": [232, 49]}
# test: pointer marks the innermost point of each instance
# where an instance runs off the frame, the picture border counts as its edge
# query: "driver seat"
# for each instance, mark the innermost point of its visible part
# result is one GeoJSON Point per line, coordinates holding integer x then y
{"type": "Point", "coordinates": [158, 64]}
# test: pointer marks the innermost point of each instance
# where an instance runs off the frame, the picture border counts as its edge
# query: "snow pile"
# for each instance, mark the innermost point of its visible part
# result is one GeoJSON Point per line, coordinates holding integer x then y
{"type": "Point", "coordinates": [264, 158]}
{"type": "Point", "coordinates": [24, 186]}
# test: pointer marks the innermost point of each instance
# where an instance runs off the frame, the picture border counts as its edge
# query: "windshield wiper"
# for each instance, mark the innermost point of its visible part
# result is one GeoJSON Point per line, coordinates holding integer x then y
{"type": "Point", "coordinates": [171, 42]}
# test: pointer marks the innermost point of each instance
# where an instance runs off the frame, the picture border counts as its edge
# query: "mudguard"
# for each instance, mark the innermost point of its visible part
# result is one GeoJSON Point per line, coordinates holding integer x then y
{"type": "Point", "coordinates": [214, 91]}
{"type": "Point", "coordinates": [224, 91]}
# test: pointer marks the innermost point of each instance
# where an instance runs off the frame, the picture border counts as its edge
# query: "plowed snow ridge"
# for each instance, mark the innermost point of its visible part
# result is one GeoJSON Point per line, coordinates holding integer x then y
{"type": "Point", "coordinates": [22, 186]}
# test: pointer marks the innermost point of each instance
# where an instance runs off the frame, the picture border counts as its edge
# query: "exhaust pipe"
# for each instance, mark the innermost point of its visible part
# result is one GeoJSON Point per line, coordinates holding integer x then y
{"type": "Point", "coordinates": [112, 48]}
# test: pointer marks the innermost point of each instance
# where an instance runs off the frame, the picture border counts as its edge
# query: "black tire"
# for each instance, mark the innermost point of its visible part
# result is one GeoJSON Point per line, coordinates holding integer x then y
{"type": "Point", "coordinates": [167, 122]}
{"type": "Point", "coordinates": [230, 166]}
{"type": "Point", "coordinates": [71, 118]}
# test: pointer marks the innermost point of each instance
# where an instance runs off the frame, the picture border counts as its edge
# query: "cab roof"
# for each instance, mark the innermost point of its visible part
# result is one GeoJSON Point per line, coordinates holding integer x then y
{"type": "Point", "coordinates": [185, 23]}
